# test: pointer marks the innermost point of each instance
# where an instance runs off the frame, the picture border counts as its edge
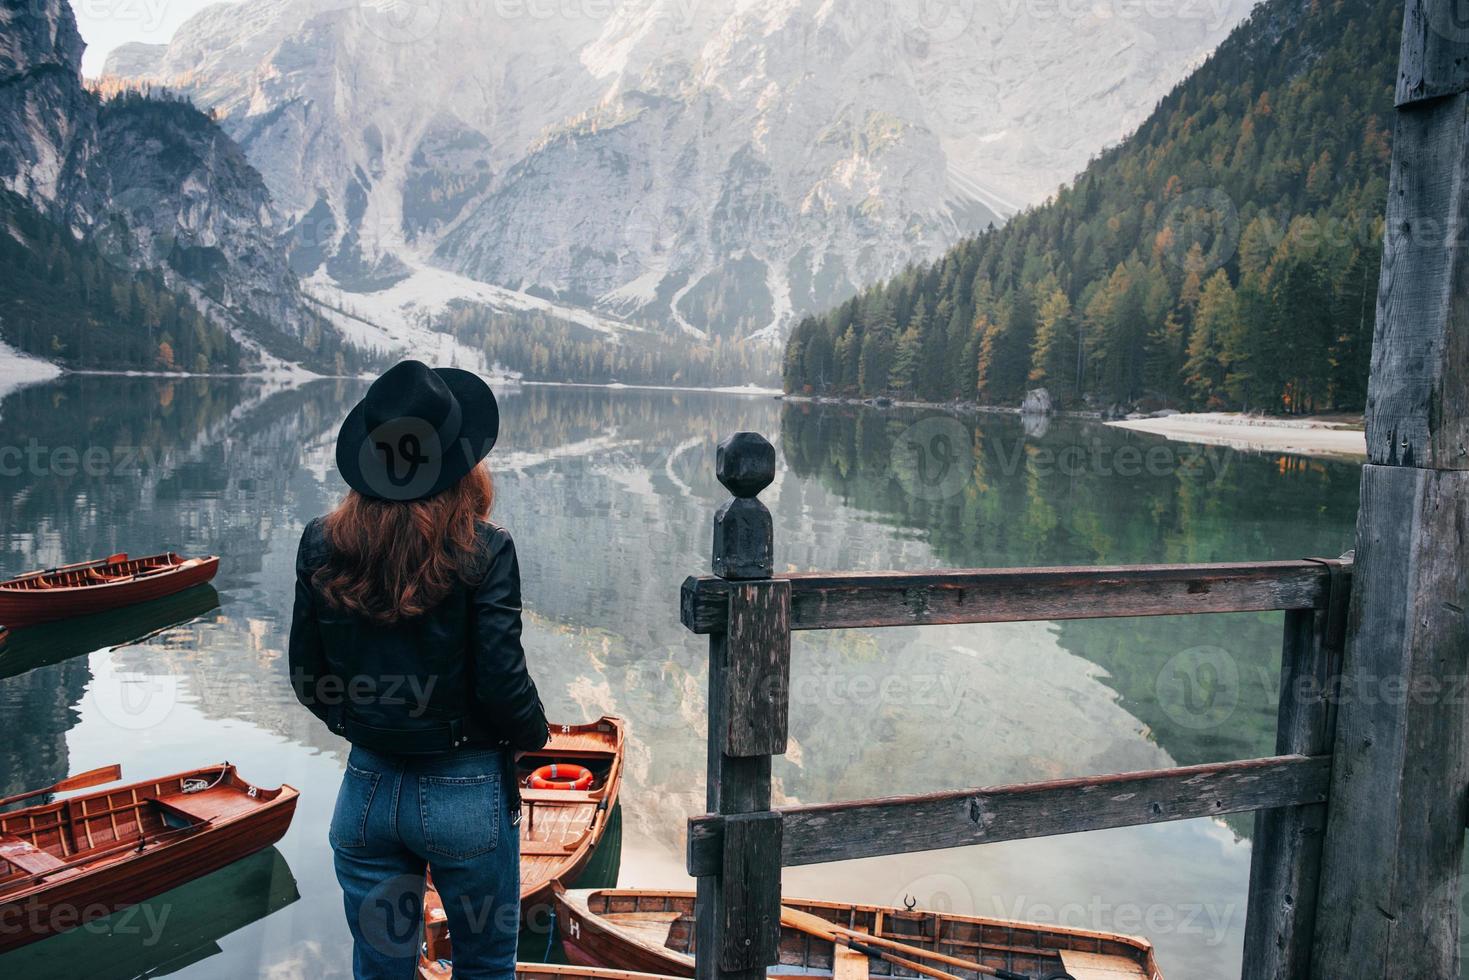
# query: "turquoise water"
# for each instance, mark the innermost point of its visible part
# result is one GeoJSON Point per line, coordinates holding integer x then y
{"type": "Point", "coordinates": [610, 495]}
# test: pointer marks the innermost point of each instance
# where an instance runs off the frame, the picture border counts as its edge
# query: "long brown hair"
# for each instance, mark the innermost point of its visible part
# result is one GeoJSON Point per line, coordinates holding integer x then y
{"type": "Point", "coordinates": [389, 561]}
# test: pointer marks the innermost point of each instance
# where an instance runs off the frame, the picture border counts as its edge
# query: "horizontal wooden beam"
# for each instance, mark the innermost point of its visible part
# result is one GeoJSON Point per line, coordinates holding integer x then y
{"type": "Point", "coordinates": [1006, 595]}
{"type": "Point", "coordinates": [900, 825]}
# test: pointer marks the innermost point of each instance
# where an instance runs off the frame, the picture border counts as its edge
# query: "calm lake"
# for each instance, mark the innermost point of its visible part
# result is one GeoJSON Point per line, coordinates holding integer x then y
{"type": "Point", "coordinates": [610, 495]}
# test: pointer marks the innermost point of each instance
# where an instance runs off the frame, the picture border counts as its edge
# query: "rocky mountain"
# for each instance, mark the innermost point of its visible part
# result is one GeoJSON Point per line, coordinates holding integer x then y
{"type": "Point", "coordinates": [157, 209]}
{"type": "Point", "coordinates": [718, 167]}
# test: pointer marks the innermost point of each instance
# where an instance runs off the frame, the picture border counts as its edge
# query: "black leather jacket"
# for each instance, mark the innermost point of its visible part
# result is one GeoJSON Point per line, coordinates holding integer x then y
{"type": "Point", "coordinates": [453, 678]}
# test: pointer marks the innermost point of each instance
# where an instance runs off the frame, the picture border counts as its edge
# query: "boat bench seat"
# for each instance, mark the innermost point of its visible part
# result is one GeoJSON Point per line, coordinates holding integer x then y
{"type": "Point", "coordinates": [1099, 966]}
{"type": "Point", "coordinates": [204, 806]}
{"type": "Point", "coordinates": [849, 964]}
{"type": "Point", "coordinates": [26, 856]}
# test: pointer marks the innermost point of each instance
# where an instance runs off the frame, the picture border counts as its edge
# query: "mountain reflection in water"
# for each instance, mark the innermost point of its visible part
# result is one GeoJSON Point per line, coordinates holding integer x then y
{"type": "Point", "coordinates": [610, 495]}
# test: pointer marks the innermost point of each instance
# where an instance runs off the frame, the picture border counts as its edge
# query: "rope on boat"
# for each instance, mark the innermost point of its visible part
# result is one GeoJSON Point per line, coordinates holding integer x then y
{"type": "Point", "coordinates": [551, 936]}
{"type": "Point", "coordinates": [199, 786]}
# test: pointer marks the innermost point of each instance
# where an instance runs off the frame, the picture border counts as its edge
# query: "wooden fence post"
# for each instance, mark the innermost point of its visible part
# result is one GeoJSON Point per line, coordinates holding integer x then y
{"type": "Point", "coordinates": [1389, 897]}
{"type": "Point", "coordinates": [1285, 863]}
{"type": "Point", "coordinates": [738, 909]}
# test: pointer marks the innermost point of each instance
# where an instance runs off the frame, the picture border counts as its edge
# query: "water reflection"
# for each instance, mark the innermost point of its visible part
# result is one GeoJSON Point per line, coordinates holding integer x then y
{"type": "Point", "coordinates": [168, 934]}
{"type": "Point", "coordinates": [54, 643]}
{"type": "Point", "coordinates": [610, 495]}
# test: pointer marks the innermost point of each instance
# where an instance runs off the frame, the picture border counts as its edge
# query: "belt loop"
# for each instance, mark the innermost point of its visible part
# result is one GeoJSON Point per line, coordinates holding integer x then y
{"type": "Point", "coordinates": [456, 733]}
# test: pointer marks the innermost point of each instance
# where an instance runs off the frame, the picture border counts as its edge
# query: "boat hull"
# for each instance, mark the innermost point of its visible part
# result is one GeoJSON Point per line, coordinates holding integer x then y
{"type": "Point", "coordinates": [653, 931]}
{"type": "Point", "coordinates": [31, 606]}
{"type": "Point", "coordinates": [69, 898]}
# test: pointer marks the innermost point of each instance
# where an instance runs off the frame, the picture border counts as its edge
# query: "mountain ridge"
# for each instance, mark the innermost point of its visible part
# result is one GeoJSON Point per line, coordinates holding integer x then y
{"type": "Point", "coordinates": [149, 196]}
{"type": "Point", "coordinates": [707, 170]}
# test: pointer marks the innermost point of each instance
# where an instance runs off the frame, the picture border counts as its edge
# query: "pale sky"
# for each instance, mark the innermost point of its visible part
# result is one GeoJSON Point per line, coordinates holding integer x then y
{"type": "Point", "coordinates": [107, 23]}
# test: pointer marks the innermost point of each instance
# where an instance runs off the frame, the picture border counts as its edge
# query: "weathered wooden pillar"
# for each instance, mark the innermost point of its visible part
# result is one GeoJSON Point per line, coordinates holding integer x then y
{"type": "Point", "coordinates": [749, 668]}
{"type": "Point", "coordinates": [1389, 897]}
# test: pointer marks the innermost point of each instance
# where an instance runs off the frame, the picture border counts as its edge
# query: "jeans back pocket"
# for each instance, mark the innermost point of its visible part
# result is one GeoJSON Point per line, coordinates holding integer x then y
{"type": "Point", "coordinates": [354, 800]}
{"type": "Point", "coordinates": [461, 814]}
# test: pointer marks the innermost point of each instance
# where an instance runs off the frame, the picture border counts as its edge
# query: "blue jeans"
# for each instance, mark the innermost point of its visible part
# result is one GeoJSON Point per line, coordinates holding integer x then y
{"type": "Point", "coordinates": [397, 817]}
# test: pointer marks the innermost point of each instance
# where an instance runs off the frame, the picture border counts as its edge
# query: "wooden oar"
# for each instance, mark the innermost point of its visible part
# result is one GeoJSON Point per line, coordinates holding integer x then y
{"type": "Point", "coordinates": [815, 925]}
{"type": "Point", "coordinates": [92, 777]}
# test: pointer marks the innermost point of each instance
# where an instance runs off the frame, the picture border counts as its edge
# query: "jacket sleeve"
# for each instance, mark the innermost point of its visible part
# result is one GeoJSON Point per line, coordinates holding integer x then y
{"type": "Point", "coordinates": [309, 671]}
{"type": "Point", "coordinates": [504, 693]}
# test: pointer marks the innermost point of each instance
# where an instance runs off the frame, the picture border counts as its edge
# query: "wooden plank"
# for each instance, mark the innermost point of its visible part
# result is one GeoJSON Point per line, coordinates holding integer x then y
{"type": "Point", "coordinates": [1418, 397]}
{"type": "Point", "coordinates": [757, 687]}
{"type": "Point", "coordinates": [1285, 862]}
{"type": "Point", "coordinates": [1005, 595]}
{"type": "Point", "coordinates": [1434, 58]}
{"type": "Point", "coordinates": [1389, 897]}
{"type": "Point", "coordinates": [869, 828]}
{"type": "Point", "coordinates": [750, 880]}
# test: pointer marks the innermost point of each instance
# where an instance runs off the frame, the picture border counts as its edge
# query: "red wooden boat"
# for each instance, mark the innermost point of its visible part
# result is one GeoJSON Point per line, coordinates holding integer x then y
{"type": "Point", "coordinates": [66, 863]}
{"type": "Point", "coordinates": [95, 586]}
{"type": "Point", "coordinates": [560, 830]}
{"type": "Point", "coordinates": [653, 932]}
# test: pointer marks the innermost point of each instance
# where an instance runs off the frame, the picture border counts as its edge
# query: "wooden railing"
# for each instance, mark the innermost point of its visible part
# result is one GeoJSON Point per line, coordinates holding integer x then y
{"type": "Point", "coordinates": [737, 849]}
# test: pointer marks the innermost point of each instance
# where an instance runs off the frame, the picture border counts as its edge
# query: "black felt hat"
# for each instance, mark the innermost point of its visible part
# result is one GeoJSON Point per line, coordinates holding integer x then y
{"type": "Point", "coordinates": [417, 432]}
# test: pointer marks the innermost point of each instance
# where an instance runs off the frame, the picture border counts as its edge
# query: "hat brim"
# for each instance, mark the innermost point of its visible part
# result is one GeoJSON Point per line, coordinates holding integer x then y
{"type": "Point", "coordinates": [479, 428]}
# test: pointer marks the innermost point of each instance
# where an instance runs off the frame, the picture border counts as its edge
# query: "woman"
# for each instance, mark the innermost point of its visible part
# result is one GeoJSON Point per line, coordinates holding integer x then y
{"type": "Point", "coordinates": [406, 641]}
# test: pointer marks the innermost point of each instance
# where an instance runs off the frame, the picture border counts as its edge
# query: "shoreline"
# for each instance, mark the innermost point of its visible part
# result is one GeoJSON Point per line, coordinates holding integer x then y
{"type": "Point", "coordinates": [18, 369]}
{"type": "Point", "coordinates": [1329, 438]}
{"type": "Point", "coordinates": [1257, 433]}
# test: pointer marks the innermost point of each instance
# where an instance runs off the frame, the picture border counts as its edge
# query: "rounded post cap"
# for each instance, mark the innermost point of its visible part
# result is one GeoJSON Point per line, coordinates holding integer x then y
{"type": "Point", "coordinates": [745, 463]}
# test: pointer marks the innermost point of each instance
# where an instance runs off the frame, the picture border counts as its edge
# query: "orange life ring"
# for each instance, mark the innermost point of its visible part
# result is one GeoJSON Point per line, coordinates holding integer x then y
{"type": "Point", "coordinates": [561, 775]}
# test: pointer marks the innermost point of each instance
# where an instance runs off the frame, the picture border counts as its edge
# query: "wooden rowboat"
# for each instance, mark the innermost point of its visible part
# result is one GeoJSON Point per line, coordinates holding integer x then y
{"type": "Point", "coordinates": [96, 586]}
{"type": "Point", "coordinates": [560, 830]}
{"type": "Point", "coordinates": [66, 863]}
{"type": "Point", "coordinates": [653, 931]}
